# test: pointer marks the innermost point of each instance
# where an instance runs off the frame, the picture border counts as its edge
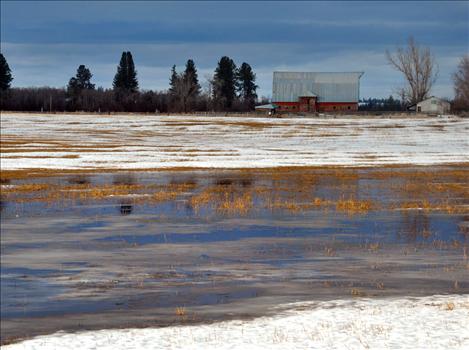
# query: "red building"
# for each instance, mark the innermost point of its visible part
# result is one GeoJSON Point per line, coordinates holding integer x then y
{"type": "Point", "coordinates": [316, 91]}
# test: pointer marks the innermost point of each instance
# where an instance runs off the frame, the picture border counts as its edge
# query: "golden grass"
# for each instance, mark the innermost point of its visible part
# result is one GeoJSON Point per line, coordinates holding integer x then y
{"type": "Point", "coordinates": [111, 190]}
{"type": "Point", "coordinates": [450, 306]}
{"type": "Point", "coordinates": [223, 199]}
{"type": "Point", "coordinates": [249, 124]}
{"type": "Point", "coordinates": [235, 204]}
{"type": "Point", "coordinates": [459, 171]}
{"type": "Point", "coordinates": [201, 199]}
{"type": "Point", "coordinates": [357, 292]}
{"type": "Point", "coordinates": [67, 156]}
{"type": "Point", "coordinates": [318, 202]}
{"type": "Point", "coordinates": [89, 192]}
{"type": "Point", "coordinates": [180, 311]}
{"type": "Point", "coordinates": [284, 204]}
{"type": "Point", "coordinates": [353, 206]}
{"type": "Point", "coordinates": [374, 247]}
{"type": "Point", "coordinates": [425, 188]}
{"type": "Point", "coordinates": [241, 192]}
{"type": "Point", "coordinates": [327, 284]}
{"type": "Point", "coordinates": [330, 252]}
{"type": "Point", "coordinates": [33, 187]}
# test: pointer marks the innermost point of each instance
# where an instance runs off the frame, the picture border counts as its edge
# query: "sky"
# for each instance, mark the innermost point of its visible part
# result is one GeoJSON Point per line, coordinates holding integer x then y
{"type": "Point", "coordinates": [45, 42]}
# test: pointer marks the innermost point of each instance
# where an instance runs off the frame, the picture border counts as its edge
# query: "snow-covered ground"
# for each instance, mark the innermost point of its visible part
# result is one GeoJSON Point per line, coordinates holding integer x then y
{"type": "Point", "coordinates": [138, 142]}
{"type": "Point", "coordinates": [436, 322]}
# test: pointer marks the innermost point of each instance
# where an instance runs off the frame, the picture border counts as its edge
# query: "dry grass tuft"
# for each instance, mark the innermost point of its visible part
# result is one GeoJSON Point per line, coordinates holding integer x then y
{"type": "Point", "coordinates": [112, 190]}
{"type": "Point", "coordinates": [164, 196]}
{"type": "Point", "coordinates": [236, 204]}
{"type": "Point", "coordinates": [327, 284]}
{"type": "Point", "coordinates": [374, 247]}
{"type": "Point", "coordinates": [353, 206]}
{"type": "Point", "coordinates": [202, 199]}
{"type": "Point", "coordinates": [28, 188]}
{"type": "Point", "coordinates": [330, 252]}
{"type": "Point", "coordinates": [318, 202]}
{"type": "Point", "coordinates": [380, 285]}
{"type": "Point", "coordinates": [450, 306]}
{"type": "Point", "coordinates": [180, 311]}
{"type": "Point", "coordinates": [357, 292]}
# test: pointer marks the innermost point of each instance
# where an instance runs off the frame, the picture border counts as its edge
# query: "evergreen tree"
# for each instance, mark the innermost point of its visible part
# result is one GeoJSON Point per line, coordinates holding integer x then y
{"type": "Point", "coordinates": [173, 81]}
{"type": "Point", "coordinates": [121, 76]}
{"type": "Point", "coordinates": [192, 86]}
{"type": "Point", "coordinates": [82, 81]}
{"type": "Point", "coordinates": [224, 83]}
{"type": "Point", "coordinates": [190, 75]}
{"type": "Point", "coordinates": [126, 76]}
{"type": "Point", "coordinates": [247, 86]}
{"type": "Point", "coordinates": [5, 74]}
{"type": "Point", "coordinates": [76, 85]}
{"type": "Point", "coordinates": [84, 78]}
{"type": "Point", "coordinates": [175, 93]}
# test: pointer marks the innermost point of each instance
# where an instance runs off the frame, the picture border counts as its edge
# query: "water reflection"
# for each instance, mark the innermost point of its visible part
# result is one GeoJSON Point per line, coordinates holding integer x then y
{"type": "Point", "coordinates": [221, 236]}
{"type": "Point", "coordinates": [223, 182]}
{"type": "Point", "coordinates": [79, 180]}
{"type": "Point", "coordinates": [464, 227]}
{"type": "Point", "coordinates": [415, 224]}
{"type": "Point", "coordinates": [126, 209]}
{"type": "Point", "coordinates": [185, 181]}
{"type": "Point", "coordinates": [123, 179]}
{"type": "Point", "coordinates": [243, 182]}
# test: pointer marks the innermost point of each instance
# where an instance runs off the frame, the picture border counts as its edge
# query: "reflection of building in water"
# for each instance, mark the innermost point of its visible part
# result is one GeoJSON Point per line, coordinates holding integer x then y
{"type": "Point", "coordinates": [79, 180]}
{"type": "Point", "coordinates": [126, 209]}
{"type": "Point", "coordinates": [415, 224]}
{"type": "Point", "coordinates": [244, 182]}
{"type": "Point", "coordinates": [123, 179]}
{"type": "Point", "coordinates": [464, 227]}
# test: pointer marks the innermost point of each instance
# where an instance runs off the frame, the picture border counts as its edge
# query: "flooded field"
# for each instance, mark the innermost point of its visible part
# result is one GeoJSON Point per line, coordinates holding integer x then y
{"type": "Point", "coordinates": [85, 250]}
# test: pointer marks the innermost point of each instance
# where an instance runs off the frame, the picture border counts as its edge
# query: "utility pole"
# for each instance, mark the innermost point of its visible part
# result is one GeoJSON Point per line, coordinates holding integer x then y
{"type": "Point", "coordinates": [50, 103]}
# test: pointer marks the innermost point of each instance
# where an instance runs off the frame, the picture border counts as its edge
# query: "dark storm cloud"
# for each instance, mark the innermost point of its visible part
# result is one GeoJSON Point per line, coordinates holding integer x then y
{"type": "Point", "coordinates": [45, 41]}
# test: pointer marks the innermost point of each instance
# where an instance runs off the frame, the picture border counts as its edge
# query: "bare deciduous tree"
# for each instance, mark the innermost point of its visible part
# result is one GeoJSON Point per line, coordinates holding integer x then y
{"type": "Point", "coordinates": [183, 93]}
{"type": "Point", "coordinates": [461, 84]}
{"type": "Point", "coordinates": [419, 68]}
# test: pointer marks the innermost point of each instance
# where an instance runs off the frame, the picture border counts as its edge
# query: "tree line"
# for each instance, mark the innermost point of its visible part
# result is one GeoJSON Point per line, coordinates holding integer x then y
{"type": "Point", "coordinates": [230, 89]}
{"type": "Point", "coordinates": [381, 104]}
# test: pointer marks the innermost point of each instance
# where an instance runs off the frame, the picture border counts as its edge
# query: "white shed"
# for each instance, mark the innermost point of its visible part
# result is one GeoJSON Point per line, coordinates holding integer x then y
{"type": "Point", "coordinates": [433, 105]}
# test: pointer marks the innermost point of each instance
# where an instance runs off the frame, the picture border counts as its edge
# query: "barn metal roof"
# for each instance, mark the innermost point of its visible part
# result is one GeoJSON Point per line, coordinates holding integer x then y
{"type": "Point", "coordinates": [267, 106]}
{"type": "Point", "coordinates": [328, 86]}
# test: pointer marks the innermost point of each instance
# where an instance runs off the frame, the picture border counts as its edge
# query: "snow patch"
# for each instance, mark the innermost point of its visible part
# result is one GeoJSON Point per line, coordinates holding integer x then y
{"type": "Point", "coordinates": [436, 322]}
{"type": "Point", "coordinates": [148, 142]}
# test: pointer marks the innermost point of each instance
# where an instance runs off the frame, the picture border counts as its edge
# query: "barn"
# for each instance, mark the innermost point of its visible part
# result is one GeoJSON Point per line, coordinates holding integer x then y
{"type": "Point", "coordinates": [431, 105]}
{"type": "Point", "coordinates": [316, 91]}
